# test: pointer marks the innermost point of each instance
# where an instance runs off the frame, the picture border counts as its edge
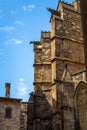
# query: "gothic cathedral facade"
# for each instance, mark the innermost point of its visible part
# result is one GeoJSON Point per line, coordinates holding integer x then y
{"type": "Point", "coordinates": [59, 100]}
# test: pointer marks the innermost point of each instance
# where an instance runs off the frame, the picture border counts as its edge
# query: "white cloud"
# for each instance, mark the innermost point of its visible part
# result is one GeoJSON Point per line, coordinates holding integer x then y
{"type": "Point", "coordinates": [23, 8]}
{"type": "Point", "coordinates": [21, 79]}
{"type": "Point", "coordinates": [17, 41]}
{"type": "Point", "coordinates": [31, 6]}
{"type": "Point", "coordinates": [15, 11]}
{"type": "Point", "coordinates": [18, 22]}
{"type": "Point", "coordinates": [14, 41]}
{"type": "Point", "coordinates": [22, 89]}
{"type": "Point", "coordinates": [28, 7]}
{"type": "Point", "coordinates": [7, 28]}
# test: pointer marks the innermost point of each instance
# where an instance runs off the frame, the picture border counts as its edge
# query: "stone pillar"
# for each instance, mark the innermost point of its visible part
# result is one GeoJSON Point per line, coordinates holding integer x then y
{"type": "Point", "coordinates": [7, 90]}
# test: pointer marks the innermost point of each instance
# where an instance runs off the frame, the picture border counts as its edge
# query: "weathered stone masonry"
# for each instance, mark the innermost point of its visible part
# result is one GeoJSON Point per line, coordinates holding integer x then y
{"type": "Point", "coordinates": [59, 100]}
{"type": "Point", "coordinates": [12, 122]}
{"type": "Point", "coordinates": [13, 112]}
{"type": "Point", "coordinates": [59, 72]}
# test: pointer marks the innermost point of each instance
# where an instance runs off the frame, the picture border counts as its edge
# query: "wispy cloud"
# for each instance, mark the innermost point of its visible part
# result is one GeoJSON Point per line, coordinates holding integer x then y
{"type": "Point", "coordinates": [17, 41]}
{"type": "Point", "coordinates": [18, 22]}
{"type": "Point", "coordinates": [28, 7]}
{"type": "Point", "coordinates": [15, 11]}
{"type": "Point", "coordinates": [22, 89]}
{"type": "Point", "coordinates": [21, 80]}
{"type": "Point", "coordinates": [23, 8]}
{"type": "Point", "coordinates": [14, 41]}
{"type": "Point", "coordinates": [7, 28]}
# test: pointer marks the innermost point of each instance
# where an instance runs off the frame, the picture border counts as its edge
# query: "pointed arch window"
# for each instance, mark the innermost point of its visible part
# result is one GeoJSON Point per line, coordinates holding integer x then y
{"type": "Point", "coordinates": [81, 106]}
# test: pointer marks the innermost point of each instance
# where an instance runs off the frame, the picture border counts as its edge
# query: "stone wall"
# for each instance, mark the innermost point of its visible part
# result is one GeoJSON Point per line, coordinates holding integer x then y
{"type": "Point", "coordinates": [67, 40]}
{"type": "Point", "coordinates": [39, 111]}
{"type": "Point", "coordinates": [53, 101]}
{"type": "Point", "coordinates": [42, 64]}
{"type": "Point", "coordinates": [11, 122]}
{"type": "Point", "coordinates": [24, 116]}
{"type": "Point", "coordinates": [81, 106]}
{"type": "Point", "coordinates": [78, 77]}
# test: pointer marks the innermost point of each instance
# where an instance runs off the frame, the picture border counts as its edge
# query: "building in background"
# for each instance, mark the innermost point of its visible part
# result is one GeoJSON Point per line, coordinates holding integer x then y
{"type": "Point", "coordinates": [60, 90]}
{"type": "Point", "coordinates": [13, 112]}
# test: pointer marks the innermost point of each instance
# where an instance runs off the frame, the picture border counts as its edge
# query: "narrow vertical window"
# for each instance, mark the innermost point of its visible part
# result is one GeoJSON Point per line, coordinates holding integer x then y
{"type": "Point", "coordinates": [8, 113]}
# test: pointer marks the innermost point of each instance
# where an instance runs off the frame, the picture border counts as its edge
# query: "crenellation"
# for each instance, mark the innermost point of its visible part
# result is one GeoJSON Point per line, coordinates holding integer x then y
{"type": "Point", "coordinates": [45, 35]}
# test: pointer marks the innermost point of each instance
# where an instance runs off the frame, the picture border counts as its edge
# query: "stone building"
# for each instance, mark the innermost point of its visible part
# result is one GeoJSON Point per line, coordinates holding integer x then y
{"type": "Point", "coordinates": [13, 112]}
{"type": "Point", "coordinates": [9, 111]}
{"type": "Point", "coordinates": [59, 100]}
{"type": "Point", "coordinates": [24, 116]}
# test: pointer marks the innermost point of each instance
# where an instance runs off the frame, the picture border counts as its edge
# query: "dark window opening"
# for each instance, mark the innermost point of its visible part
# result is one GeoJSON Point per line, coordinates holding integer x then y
{"type": "Point", "coordinates": [8, 113]}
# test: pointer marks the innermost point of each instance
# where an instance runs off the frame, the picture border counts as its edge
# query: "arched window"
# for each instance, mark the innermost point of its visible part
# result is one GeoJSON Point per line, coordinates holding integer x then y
{"type": "Point", "coordinates": [81, 106]}
{"type": "Point", "coordinates": [8, 112]}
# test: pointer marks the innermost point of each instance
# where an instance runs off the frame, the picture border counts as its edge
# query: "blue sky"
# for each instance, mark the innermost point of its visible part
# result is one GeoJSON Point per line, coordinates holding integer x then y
{"type": "Point", "coordinates": [21, 21]}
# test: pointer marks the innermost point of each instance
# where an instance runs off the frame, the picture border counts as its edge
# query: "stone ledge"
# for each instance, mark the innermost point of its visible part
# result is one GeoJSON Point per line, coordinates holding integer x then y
{"type": "Point", "coordinates": [66, 38]}
{"type": "Point", "coordinates": [66, 59]}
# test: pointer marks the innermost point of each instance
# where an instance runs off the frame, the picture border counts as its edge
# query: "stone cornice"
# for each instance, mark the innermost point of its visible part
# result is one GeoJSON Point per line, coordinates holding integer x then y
{"type": "Point", "coordinates": [66, 59]}
{"type": "Point", "coordinates": [41, 64]}
{"type": "Point", "coordinates": [42, 82]}
{"type": "Point", "coordinates": [35, 42]}
{"type": "Point", "coordinates": [10, 99]}
{"type": "Point", "coordinates": [66, 38]}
